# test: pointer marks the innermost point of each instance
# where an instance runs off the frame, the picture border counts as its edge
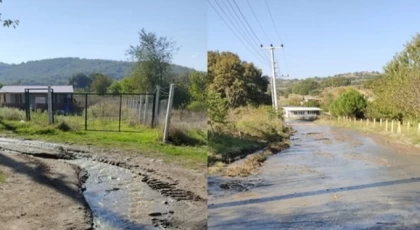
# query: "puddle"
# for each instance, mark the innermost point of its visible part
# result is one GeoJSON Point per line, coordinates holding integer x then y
{"type": "Point", "coordinates": [119, 200]}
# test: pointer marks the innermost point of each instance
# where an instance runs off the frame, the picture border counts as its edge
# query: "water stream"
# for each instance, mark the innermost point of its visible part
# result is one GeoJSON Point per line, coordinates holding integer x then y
{"type": "Point", "coordinates": [119, 199]}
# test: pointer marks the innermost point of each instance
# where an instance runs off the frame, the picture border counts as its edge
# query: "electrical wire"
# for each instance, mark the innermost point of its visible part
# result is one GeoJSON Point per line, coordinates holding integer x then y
{"type": "Point", "coordinates": [217, 12]}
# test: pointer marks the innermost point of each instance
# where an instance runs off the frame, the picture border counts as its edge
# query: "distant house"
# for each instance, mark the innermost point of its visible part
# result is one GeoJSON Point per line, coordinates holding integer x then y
{"type": "Point", "coordinates": [14, 96]}
{"type": "Point", "coordinates": [301, 113]}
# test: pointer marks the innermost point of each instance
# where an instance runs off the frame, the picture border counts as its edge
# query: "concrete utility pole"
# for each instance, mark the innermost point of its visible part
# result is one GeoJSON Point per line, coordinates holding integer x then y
{"type": "Point", "coordinates": [273, 72]}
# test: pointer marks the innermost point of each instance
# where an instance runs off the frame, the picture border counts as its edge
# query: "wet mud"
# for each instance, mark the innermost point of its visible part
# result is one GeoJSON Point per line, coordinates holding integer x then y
{"type": "Point", "coordinates": [120, 194]}
{"type": "Point", "coordinates": [330, 178]}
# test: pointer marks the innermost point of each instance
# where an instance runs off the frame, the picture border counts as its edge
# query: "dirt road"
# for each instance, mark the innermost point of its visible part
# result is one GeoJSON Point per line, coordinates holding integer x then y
{"type": "Point", "coordinates": [330, 178]}
{"type": "Point", "coordinates": [54, 186]}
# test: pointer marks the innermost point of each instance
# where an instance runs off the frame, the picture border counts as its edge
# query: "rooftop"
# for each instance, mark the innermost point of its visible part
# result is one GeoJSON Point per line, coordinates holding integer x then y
{"type": "Point", "coordinates": [21, 88]}
{"type": "Point", "coordinates": [291, 108]}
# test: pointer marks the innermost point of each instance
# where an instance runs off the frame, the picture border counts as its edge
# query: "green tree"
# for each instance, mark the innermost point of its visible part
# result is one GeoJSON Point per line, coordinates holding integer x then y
{"type": "Point", "coordinates": [305, 86]}
{"type": "Point", "coordinates": [8, 22]}
{"type": "Point", "coordinates": [115, 88]}
{"type": "Point", "coordinates": [182, 96]}
{"type": "Point", "coordinates": [241, 83]}
{"type": "Point", "coordinates": [100, 83]}
{"type": "Point", "coordinates": [198, 86]}
{"type": "Point", "coordinates": [80, 81]}
{"type": "Point", "coordinates": [153, 56]}
{"type": "Point", "coordinates": [351, 103]}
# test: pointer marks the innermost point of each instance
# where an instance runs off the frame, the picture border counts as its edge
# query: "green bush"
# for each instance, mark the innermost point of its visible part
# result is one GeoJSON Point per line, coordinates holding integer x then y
{"type": "Point", "coordinates": [351, 103]}
{"type": "Point", "coordinates": [197, 106]}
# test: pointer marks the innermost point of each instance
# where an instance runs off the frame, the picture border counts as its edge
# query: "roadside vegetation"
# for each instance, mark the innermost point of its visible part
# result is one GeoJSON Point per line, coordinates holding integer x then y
{"type": "Point", "coordinates": [240, 116]}
{"type": "Point", "coordinates": [189, 151]}
{"type": "Point", "coordinates": [392, 97]}
{"type": "Point", "coordinates": [188, 131]}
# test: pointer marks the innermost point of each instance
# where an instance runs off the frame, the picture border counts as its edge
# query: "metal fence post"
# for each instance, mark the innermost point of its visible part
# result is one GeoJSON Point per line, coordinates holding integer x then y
{"type": "Point", "coordinates": [168, 113]}
{"type": "Point", "coordinates": [86, 110]}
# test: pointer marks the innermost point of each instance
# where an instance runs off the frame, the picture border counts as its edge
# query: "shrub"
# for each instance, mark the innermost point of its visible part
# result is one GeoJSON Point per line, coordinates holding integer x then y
{"type": "Point", "coordinates": [63, 126]}
{"type": "Point", "coordinates": [12, 114]}
{"type": "Point", "coordinates": [197, 106]}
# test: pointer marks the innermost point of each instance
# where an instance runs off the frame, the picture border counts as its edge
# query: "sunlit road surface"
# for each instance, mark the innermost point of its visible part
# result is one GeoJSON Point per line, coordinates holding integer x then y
{"type": "Point", "coordinates": [330, 178]}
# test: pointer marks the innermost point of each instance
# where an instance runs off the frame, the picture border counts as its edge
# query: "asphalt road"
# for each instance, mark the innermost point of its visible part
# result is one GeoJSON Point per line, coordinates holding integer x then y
{"type": "Point", "coordinates": [330, 178]}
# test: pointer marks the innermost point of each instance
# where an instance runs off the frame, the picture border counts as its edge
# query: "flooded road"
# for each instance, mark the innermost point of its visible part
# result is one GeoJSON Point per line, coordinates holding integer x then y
{"type": "Point", "coordinates": [119, 199]}
{"type": "Point", "coordinates": [330, 178]}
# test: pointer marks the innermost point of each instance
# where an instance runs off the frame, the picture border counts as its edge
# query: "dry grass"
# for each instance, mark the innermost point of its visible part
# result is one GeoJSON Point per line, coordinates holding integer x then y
{"type": "Point", "coordinates": [248, 130]}
{"type": "Point", "coordinates": [12, 114]}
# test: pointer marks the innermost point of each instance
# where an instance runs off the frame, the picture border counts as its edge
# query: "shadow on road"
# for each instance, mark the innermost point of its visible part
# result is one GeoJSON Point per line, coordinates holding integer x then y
{"type": "Point", "coordinates": [39, 175]}
{"type": "Point", "coordinates": [314, 193]}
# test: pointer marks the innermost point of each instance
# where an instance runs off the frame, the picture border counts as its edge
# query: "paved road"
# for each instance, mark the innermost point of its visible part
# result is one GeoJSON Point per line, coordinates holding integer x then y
{"type": "Point", "coordinates": [329, 179]}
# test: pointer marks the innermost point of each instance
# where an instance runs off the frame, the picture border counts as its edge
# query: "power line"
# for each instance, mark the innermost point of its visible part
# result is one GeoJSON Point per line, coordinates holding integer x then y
{"type": "Point", "coordinates": [230, 28]}
{"type": "Point", "coordinates": [272, 20]}
{"type": "Point", "coordinates": [256, 18]}
{"type": "Point", "coordinates": [242, 30]}
{"type": "Point", "coordinates": [255, 45]}
{"type": "Point", "coordinates": [278, 34]}
{"type": "Point", "coordinates": [257, 41]}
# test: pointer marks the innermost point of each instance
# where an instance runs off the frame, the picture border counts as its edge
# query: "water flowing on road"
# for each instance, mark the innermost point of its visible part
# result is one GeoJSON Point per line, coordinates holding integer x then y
{"type": "Point", "coordinates": [330, 178]}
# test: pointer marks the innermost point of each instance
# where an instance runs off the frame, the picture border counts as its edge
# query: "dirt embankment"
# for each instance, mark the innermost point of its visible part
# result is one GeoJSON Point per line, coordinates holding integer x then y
{"type": "Point", "coordinates": [41, 194]}
{"type": "Point", "coordinates": [187, 187]}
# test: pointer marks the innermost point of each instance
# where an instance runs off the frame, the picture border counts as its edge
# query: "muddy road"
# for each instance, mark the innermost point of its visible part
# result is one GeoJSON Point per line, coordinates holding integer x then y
{"type": "Point", "coordinates": [330, 178]}
{"type": "Point", "coordinates": [53, 186]}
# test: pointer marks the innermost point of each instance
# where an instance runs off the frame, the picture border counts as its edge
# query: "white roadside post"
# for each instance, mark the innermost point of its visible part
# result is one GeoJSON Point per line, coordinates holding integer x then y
{"type": "Point", "coordinates": [168, 114]}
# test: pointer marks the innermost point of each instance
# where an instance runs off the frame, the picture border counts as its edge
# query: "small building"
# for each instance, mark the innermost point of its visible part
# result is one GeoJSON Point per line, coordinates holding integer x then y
{"type": "Point", "coordinates": [301, 113]}
{"type": "Point", "coordinates": [14, 96]}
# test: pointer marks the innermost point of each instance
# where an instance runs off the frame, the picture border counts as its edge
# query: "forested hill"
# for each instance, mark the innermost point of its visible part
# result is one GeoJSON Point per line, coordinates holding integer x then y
{"type": "Point", "coordinates": [59, 70]}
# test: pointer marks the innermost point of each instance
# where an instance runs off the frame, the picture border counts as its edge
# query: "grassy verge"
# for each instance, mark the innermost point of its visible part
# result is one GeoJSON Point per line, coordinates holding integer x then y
{"type": "Point", "coordinates": [188, 149]}
{"type": "Point", "coordinates": [409, 136]}
{"type": "Point", "coordinates": [247, 130]}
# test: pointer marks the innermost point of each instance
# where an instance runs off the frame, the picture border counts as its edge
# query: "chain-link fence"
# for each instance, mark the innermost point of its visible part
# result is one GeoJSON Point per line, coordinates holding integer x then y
{"type": "Point", "coordinates": [102, 112]}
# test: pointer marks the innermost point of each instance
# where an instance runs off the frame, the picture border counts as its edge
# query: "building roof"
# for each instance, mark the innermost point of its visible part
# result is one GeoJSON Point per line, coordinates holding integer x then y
{"type": "Point", "coordinates": [301, 108]}
{"type": "Point", "coordinates": [21, 88]}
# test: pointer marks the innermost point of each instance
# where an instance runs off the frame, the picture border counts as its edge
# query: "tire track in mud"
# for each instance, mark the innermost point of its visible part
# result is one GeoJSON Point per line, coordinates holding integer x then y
{"type": "Point", "coordinates": [166, 188]}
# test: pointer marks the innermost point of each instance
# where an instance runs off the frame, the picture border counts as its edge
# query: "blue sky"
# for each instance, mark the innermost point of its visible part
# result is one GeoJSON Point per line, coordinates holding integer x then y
{"type": "Point", "coordinates": [322, 37]}
{"type": "Point", "coordinates": [102, 29]}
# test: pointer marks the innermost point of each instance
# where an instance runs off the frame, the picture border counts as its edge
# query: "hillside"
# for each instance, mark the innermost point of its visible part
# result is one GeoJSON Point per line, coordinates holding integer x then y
{"type": "Point", "coordinates": [356, 78]}
{"type": "Point", "coordinates": [59, 70]}
{"type": "Point", "coordinates": [314, 85]}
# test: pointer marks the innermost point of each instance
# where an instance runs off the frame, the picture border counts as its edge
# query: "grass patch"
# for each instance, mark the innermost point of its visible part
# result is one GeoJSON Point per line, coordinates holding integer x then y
{"type": "Point", "coordinates": [409, 135]}
{"type": "Point", "coordinates": [190, 152]}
